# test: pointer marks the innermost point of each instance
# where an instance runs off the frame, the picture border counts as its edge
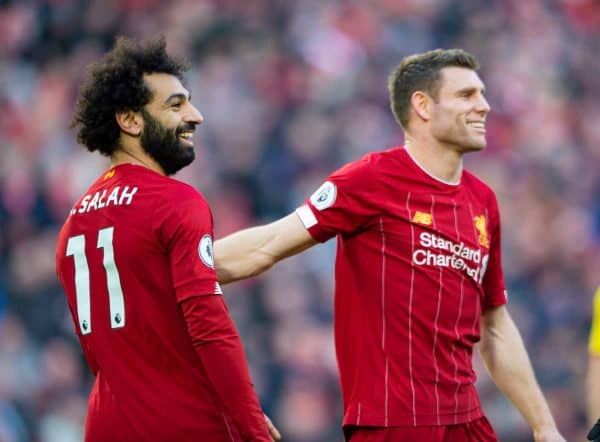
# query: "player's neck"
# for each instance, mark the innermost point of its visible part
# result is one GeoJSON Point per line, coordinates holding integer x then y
{"type": "Point", "coordinates": [437, 160]}
{"type": "Point", "coordinates": [128, 155]}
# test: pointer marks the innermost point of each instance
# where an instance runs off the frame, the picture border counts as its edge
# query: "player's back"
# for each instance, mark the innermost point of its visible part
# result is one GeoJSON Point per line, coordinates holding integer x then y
{"type": "Point", "coordinates": [113, 261]}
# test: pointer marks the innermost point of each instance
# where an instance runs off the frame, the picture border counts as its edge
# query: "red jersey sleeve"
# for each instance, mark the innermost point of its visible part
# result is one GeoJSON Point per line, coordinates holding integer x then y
{"type": "Point", "coordinates": [493, 280]}
{"type": "Point", "coordinates": [219, 347]}
{"type": "Point", "coordinates": [343, 204]}
{"type": "Point", "coordinates": [185, 227]}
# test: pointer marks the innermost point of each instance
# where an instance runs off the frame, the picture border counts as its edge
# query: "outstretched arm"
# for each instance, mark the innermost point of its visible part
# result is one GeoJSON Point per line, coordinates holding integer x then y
{"type": "Point", "coordinates": [251, 251]}
{"type": "Point", "coordinates": [506, 359]}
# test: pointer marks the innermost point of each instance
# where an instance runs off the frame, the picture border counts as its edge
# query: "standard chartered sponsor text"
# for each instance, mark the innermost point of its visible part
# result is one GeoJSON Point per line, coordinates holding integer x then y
{"type": "Point", "coordinates": [459, 258]}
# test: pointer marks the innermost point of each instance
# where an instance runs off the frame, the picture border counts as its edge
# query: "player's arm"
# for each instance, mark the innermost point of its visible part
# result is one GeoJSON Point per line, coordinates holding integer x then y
{"type": "Point", "coordinates": [593, 374]}
{"type": "Point", "coordinates": [251, 251]}
{"type": "Point", "coordinates": [220, 350]}
{"type": "Point", "coordinates": [183, 223]}
{"type": "Point", "coordinates": [506, 359]}
{"type": "Point", "coordinates": [593, 388]}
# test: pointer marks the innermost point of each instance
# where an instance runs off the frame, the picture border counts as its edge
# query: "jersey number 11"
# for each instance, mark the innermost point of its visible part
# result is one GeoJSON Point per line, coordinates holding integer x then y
{"type": "Point", "coordinates": [76, 249]}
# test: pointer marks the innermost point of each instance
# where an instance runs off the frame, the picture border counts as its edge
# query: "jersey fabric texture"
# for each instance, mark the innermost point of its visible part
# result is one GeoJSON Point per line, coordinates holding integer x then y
{"type": "Point", "coordinates": [134, 258]}
{"type": "Point", "coordinates": [478, 430]}
{"type": "Point", "coordinates": [417, 262]}
{"type": "Point", "coordinates": [594, 346]}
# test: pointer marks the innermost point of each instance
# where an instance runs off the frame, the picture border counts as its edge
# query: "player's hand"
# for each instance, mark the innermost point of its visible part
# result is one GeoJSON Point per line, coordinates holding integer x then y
{"type": "Point", "coordinates": [548, 435]}
{"type": "Point", "coordinates": [273, 431]}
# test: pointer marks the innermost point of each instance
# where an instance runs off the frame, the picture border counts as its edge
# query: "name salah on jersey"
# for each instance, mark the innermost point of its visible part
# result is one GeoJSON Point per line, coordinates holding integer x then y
{"type": "Point", "coordinates": [116, 197]}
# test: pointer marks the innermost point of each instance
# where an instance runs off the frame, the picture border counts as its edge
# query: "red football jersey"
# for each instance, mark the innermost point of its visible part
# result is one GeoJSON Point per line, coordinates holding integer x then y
{"type": "Point", "coordinates": [134, 249]}
{"type": "Point", "coordinates": [417, 262]}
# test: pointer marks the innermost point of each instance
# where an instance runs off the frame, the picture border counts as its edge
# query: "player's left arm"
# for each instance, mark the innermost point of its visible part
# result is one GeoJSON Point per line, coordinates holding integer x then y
{"type": "Point", "coordinates": [506, 359]}
{"type": "Point", "coordinates": [183, 223]}
{"type": "Point", "coordinates": [219, 348]}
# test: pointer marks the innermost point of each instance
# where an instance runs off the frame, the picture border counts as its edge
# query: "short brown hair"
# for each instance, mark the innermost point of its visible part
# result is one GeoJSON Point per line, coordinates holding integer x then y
{"type": "Point", "coordinates": [421, 72]}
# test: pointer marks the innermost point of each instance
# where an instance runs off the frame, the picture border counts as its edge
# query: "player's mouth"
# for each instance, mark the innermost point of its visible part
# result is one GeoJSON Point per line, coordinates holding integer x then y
{"type": "Point", "coordinates": [185, 137]}
{"type": "Point", "coordinates": [479, 126]}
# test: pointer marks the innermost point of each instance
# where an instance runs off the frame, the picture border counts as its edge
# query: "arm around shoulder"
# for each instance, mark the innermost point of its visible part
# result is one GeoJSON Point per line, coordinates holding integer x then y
{"type": "Point", "coordinates": [250, 252]}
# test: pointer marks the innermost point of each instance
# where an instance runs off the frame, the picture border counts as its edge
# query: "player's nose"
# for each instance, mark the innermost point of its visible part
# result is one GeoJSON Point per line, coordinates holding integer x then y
{"type": "Point", "coordinates": [482, 105]}
{"type": "Point", "coordinates": [194, 115]}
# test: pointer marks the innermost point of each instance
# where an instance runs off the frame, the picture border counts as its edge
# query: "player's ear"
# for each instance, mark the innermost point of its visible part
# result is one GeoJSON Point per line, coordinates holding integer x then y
{"type": "Point", "coordinates": [130, 122]}
{"type": "Point", "coordinates": [421, 105]}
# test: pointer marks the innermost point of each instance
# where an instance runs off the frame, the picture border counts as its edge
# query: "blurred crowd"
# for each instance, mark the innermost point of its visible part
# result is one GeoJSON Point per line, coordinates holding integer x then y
{"type": "Point", "coordinates": [291, 90]}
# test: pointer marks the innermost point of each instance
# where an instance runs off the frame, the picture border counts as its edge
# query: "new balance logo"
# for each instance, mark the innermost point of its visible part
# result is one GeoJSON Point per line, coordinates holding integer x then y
{"type": "Point", "coordinates": [422, 218]}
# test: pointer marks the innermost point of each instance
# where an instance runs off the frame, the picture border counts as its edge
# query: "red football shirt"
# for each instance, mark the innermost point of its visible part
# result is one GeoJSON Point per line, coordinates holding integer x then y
{"type": "Point", "coordinates": [417, 262]}
{"type": "Point", "coordinates": [133, 257]}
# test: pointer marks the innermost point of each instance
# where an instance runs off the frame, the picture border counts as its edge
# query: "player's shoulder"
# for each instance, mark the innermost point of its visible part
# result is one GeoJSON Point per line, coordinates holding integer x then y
{"type": "Point", "coordinates": [373, 162]}
{"type": "Point", "coordinates": [150, 191]}
{"type": "Point", "coordinates": [384, 158]}
{"type": "Point", "coordinates": [180, 191]}
{"type": "Point", "coordinates": [184, 198]}
{"type": "Point", "coordinates": [179, 200]}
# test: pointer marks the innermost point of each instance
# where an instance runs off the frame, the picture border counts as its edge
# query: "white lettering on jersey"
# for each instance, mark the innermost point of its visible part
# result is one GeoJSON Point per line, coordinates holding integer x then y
{"type": "Point", "coordinates": [113, 197]}
{"type": "Point", "coordinates": [96, 201]}
{"type": "Point", "coordinates": [462, 257]}
{"type": "Point", "coordinates": [84, 203]}
{"type": "Point", "coordinates": [128, 196]}
{"type": "Point", "coordinates": [100, 200]}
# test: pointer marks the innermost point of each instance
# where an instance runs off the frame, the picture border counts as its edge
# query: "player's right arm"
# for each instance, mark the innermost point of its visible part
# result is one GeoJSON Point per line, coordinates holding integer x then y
{"type": "Point", "coordinates": [341, 205]}
{"type": "Point", "coordinates": [251, 251]}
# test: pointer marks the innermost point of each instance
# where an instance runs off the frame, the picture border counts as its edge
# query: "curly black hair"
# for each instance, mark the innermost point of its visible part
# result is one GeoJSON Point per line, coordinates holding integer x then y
{"type": "Point", "coordinates": [116, 84]}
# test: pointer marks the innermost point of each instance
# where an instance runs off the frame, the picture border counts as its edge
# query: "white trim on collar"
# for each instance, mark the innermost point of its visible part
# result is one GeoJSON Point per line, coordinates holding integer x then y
{"type": "Point", "coordinates": [449, 183]}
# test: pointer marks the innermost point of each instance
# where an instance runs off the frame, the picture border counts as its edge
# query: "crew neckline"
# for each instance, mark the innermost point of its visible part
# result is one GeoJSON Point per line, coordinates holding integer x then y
{"type": "Point", "coordinates": [433, 177]}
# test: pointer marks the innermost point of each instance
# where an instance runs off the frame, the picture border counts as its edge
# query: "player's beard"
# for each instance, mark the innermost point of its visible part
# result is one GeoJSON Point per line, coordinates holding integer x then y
{"type": "Point", "coordinates": [163, 145]}
{"type": "Point", "coordinates": [452, 131]}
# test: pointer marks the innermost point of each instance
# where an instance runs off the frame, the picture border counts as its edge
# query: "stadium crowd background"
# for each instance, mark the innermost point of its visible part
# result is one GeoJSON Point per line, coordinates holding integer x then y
{"type": "Point", "coordinates": [289, 92]}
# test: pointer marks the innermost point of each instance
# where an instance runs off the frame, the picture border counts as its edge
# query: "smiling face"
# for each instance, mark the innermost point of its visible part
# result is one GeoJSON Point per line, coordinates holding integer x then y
{"type": "Point", "coordinates": [460, 110]}
{"type": "Point", "coordinates": [170, 120]}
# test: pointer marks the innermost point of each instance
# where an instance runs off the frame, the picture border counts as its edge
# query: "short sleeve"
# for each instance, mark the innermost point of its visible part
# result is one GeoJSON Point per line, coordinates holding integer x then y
{"type": "Point", "coordinates": [594, 345]}
{"type": "Point", "coordinates": [186, 229]}
{"type": "Point", "coordinates": [343, 204]}
{"type": "Point", "coordinates": [494, 288]}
